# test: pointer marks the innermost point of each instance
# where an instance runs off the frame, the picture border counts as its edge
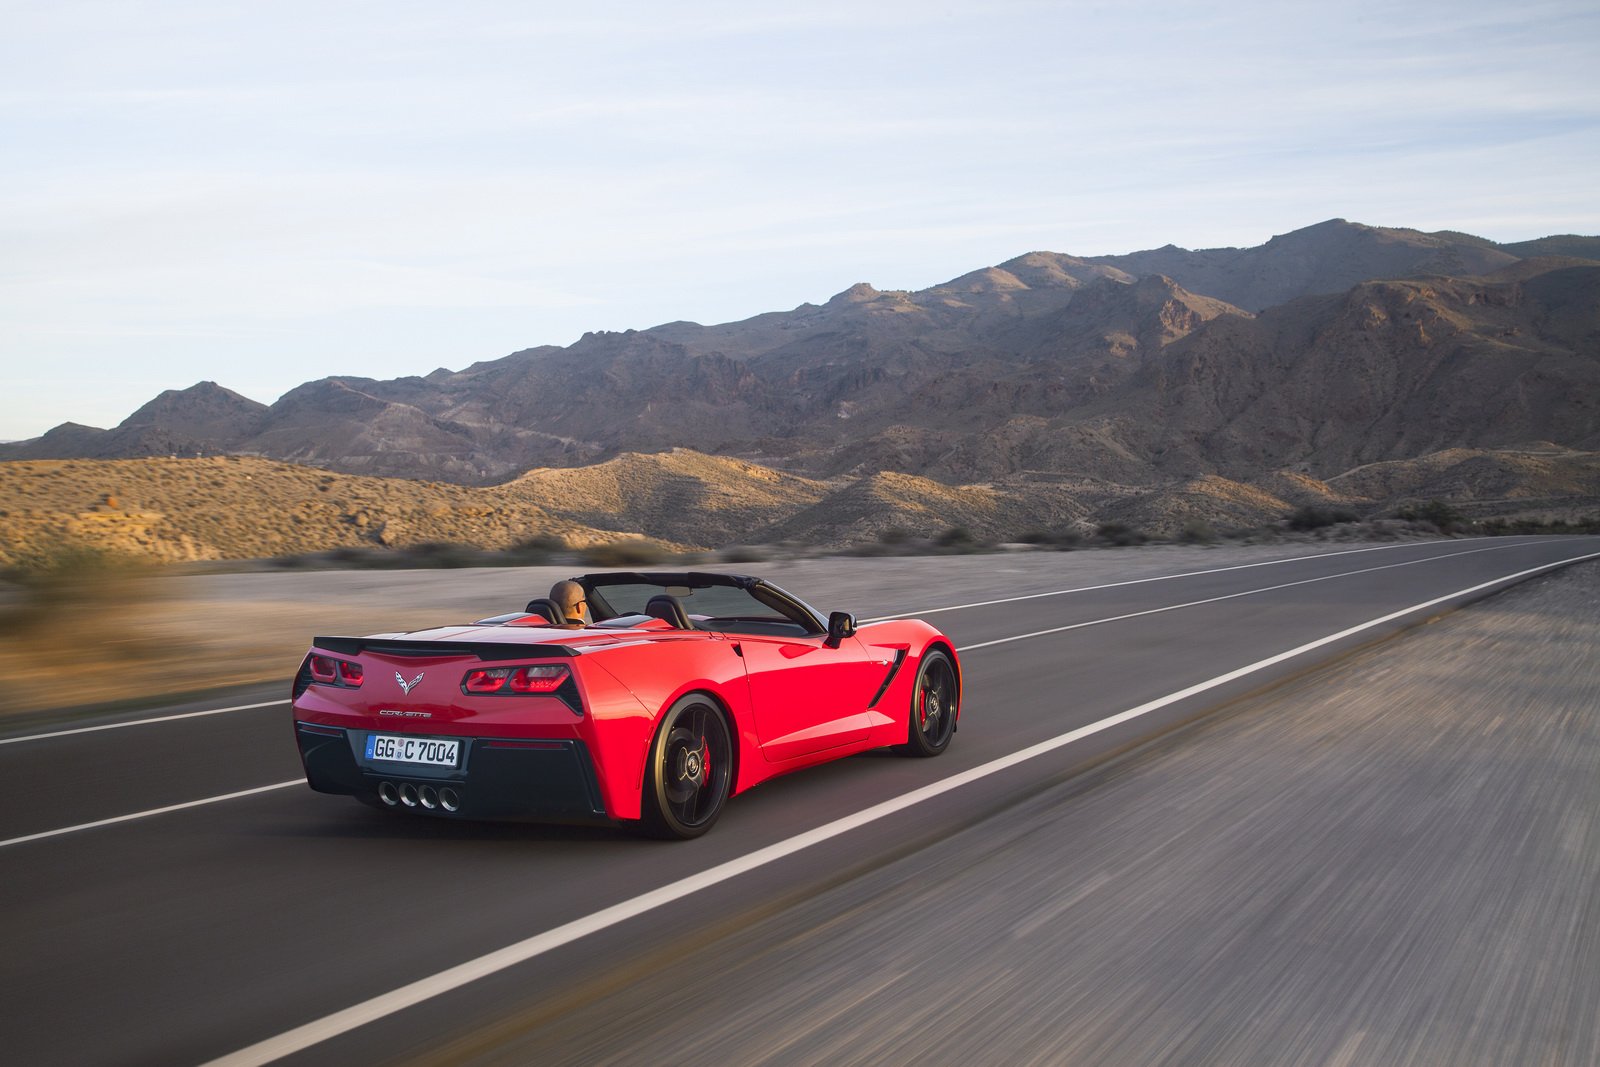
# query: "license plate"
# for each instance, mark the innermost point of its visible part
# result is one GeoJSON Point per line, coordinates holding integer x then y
{"type": "Point", "coordinates": [429, 750]}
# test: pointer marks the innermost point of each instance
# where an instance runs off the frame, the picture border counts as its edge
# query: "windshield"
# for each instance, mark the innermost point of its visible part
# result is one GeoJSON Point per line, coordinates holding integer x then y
{"type": "Point", "coordinates": [722, 608]}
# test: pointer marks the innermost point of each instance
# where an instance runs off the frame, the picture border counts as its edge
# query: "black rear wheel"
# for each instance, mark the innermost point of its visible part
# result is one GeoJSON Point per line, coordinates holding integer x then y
{"type": "Point", "coordinates": [690, 770]}
{"type": "Point", "coordinates": [935, 699]}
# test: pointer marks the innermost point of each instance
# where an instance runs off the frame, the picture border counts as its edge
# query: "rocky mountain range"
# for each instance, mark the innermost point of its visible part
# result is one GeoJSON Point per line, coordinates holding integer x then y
{"type": "Point", "coordinates": [1327, 349]}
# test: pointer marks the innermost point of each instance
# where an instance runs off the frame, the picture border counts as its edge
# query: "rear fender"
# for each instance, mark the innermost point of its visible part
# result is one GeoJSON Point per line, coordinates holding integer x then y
{"type": "Point", "coordinates": [656, 674]}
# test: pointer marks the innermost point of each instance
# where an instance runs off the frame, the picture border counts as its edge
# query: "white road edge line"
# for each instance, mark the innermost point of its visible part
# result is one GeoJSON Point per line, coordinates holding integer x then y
{"type": "Point", "coordinates": [147, 814]}
{"type": "Point", "coordinates": [879, 618]}
{"type": "Point", "coordinates": [138, 722]}
{"type": "Point", "coordinates": [959, 648]}
{"type": "Point", "coordinates": [340, 1022]}
{"type": "Point", "coordinates": [1217, 599]}
{"type": "Point", "coordinates": [1167, 578]}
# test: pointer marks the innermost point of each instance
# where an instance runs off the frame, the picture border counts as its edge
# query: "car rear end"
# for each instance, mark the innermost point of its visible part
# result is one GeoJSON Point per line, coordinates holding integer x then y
{"type": "Point", "coordinates": [449, 728]}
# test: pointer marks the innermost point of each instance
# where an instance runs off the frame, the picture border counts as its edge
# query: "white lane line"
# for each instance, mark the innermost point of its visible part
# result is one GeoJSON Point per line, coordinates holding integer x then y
{"type": "Point", "coordinates": [138, 722]}
{"type": "Point", "coordinates": [879, 618]}
{"type": "Point", "coordinates": [340, 1022]}
{"type": "Point", "coordinates": [147, 814]}
{"type": "Point", "coordinates": [1171, 577]}
{"type": "Point", "coordinates": [962, 649]}
{"type": "Point", "coordinates": [1217, 599]}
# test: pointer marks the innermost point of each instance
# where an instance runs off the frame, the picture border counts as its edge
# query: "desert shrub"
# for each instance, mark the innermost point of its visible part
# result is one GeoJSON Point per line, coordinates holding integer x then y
{"type": "Point", "coordinates": [745, 554]}
{"type": "Point", "coordinates": [541, 543]}
{"type": "Point", "coordinates": [1441, 515]}
{"type": "Point", "coordinates": [623, 554]}
{"type": "Point", "coordinates": [956, 539]}
{"type": "Point", "coordinates": [1509, 527]}
{"type": "Point", "coordinates": [873, 549]}
{"type": "Point", "coordinates": [895, 535]}
{"type": "Point", "coordinates": [1062, 539]}
{"type": "Point", "coordinates": [1197, 532]}
{"type": "Point", "coordinates": [1120, 533]}
{"type": "Point", "coordinates": [1311, 517]}
{"type": "Point", "coordinates": [537, 549]}
{"type": "Point", "coordinates": [440, 554]}
{"type": "Point", "coordinates": [350, 556]}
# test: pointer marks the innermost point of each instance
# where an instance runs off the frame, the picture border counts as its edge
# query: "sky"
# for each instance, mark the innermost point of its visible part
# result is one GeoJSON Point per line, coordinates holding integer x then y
{"type": "Point", "coordinates": [262, 194]}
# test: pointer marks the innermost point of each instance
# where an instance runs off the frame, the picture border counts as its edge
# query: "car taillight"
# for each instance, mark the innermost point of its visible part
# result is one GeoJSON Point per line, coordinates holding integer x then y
{"type": "Point", "coordinates": [546, 679]}
{"type": "Point", "coordinates": [346, 674]}
{"type": "Point", "coordinates": [491, 680]}
{"type": "Point", "coordinates": [543, 678]}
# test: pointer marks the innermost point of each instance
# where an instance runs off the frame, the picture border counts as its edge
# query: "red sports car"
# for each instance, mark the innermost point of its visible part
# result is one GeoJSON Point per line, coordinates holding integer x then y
{"type": "Point", "coordinates": [673, 692]}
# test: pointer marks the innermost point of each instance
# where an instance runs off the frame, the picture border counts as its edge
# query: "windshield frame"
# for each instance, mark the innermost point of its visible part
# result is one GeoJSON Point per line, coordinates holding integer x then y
{"type": "Point", "coordinates": [761, 592]}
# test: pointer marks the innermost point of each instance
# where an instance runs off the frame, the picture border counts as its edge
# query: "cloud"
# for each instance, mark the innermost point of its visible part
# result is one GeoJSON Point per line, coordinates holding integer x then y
{"type": "Point", "coordinates": [381, 185]}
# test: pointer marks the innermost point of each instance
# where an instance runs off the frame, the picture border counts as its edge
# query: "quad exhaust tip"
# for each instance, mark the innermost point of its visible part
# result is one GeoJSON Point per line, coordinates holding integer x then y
{"type": "Point", "coordinates": [426, 797]}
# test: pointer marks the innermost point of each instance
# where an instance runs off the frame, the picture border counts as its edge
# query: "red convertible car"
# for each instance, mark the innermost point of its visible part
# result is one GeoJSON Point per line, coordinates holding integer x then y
{"type": "Point", "coordinates": [674, 692]}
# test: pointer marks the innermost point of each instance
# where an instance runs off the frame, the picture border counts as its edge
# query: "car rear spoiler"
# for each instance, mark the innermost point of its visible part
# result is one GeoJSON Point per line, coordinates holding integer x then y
{"type": "Point", "coordinates": [483, 650]}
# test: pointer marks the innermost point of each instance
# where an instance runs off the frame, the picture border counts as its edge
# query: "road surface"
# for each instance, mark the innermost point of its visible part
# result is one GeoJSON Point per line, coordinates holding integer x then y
{"type": "Point", "coordinates": [256, 920]}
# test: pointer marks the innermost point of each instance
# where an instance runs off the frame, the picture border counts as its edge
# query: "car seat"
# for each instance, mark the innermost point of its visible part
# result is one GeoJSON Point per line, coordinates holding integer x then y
{"type": "Point", "coordinates": [549, 609]}
{"type": "Point", "coordinates": [669, 609]}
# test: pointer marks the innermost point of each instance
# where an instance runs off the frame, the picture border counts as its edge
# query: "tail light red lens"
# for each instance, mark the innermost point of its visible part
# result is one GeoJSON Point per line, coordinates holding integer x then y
{"type": "Point", "coordinates": [542, 678]}
{"type": "Point", "coordinates": [491, 680]}
{"type": "Point", "coordinates": [346, 674]}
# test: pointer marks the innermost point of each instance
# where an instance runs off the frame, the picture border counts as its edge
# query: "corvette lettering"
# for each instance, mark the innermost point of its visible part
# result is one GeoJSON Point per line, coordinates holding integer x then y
{"type": "Point", "coordinates": [407, 714]}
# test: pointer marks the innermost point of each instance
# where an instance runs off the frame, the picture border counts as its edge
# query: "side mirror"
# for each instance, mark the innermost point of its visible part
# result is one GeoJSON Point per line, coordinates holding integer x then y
{"type": "Point", "coordinates": [841, 624]}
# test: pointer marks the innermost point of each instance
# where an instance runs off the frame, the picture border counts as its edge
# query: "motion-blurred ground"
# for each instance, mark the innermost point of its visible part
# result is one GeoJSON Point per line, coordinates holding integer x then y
{"type": "Point", "coordinates": [112, 634]}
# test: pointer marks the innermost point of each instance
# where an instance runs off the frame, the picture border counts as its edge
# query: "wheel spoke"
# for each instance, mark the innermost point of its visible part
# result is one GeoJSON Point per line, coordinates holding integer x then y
{"type": "Point", "coordinates": [934, 702]}
{"type": "Point", "coordinates": [695, 766]}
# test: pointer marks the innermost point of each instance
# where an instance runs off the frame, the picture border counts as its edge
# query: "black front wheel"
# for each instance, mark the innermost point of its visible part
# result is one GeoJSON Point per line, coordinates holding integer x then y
{"type": "Point", "coordinates": [690, 770]}
{"type": "Point", "coordinates": [935, 699]}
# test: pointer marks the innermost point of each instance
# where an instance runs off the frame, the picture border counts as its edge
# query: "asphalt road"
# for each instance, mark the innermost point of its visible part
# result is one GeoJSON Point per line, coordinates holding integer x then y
{"type": "Point", "coordinates": [193, 934]}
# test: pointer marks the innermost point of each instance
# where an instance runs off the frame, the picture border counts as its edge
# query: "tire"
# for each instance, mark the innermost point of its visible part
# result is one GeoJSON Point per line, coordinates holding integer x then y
{"type": "Point", "coordinates": [690, 770]}
{"type": "Point", "coordinates": [935, 700]}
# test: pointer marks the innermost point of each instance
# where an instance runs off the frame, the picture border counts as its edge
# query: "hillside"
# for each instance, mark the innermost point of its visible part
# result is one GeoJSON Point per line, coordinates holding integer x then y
{"type": "Point", "coordinates": [244, 508]}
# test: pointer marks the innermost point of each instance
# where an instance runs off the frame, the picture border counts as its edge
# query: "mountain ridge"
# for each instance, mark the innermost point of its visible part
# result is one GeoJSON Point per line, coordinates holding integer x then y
{"type": "Point", "coordinates": [1322, 350]}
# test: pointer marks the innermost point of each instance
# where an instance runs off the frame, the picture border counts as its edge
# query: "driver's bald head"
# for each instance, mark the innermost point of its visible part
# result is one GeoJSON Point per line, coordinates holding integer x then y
{"type": "Point", "coordinates": [570, 597]}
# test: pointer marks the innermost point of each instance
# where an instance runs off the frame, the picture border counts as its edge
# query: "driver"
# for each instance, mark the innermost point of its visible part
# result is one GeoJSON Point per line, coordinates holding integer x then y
{"type": "Point", "coordinates": [570, 598]}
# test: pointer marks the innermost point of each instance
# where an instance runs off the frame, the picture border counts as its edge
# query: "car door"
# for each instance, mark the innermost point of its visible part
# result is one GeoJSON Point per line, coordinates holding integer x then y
{"type": "Point", "coordinates": [806, 694]}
